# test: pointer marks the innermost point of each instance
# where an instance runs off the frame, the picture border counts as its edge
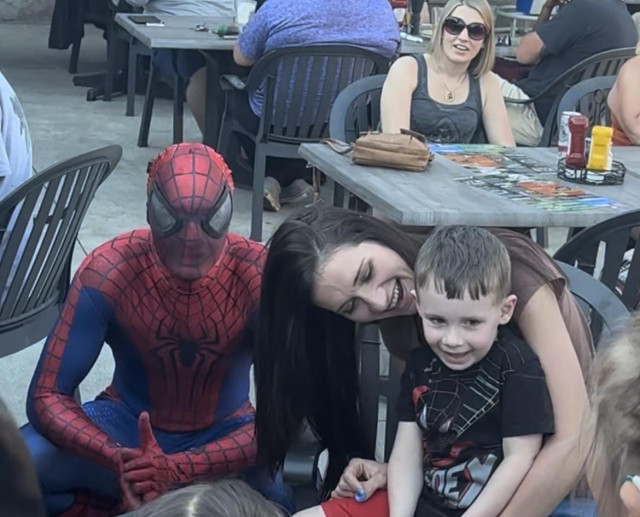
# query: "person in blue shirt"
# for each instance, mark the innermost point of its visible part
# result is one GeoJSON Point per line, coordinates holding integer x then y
{"type": "Point", "coordinates": [369, 24]}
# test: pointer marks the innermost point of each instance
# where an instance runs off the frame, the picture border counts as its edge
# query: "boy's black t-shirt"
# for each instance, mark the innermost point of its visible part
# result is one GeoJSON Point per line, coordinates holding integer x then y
{"type": "Point", "coordinates": [465, 415]}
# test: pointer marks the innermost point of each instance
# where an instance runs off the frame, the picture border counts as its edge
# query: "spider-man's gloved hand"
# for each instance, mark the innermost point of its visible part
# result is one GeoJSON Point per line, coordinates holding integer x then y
{"type": "Point", "coordinates": [148, 471]}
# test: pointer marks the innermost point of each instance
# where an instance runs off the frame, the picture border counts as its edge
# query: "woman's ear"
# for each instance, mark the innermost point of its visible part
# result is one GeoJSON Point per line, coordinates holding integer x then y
{"type": "Point", "coordinates": [630, 496]}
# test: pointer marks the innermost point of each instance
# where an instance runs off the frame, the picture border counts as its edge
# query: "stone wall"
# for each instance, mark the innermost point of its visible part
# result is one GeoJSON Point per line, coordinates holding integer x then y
{"type": "Point", "coordinates": [26, 10]}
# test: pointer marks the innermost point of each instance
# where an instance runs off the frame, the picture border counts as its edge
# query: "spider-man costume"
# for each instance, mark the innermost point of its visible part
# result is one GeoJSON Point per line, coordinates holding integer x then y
{"type": "Point", "coordinates": [177, 305]}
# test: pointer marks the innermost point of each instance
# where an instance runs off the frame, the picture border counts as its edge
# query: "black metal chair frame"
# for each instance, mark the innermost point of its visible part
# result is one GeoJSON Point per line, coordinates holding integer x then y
{"type": "Point", "coordinates": [589, 97]}
{"type": "Point", "coordinates": [297, 116]}
{"type": "Point", "coordinates": [602, 64]}
{"type": "Point", "coordinates": [615, 233]}
{"type": "Point", "coordinates": [39, 223]}
{"type": "Point", "coordinates": [87, 16]}
{"type": "Point", "coordinates": [136, 49]}
{"type": "Point", "coordinates": [603, 309]}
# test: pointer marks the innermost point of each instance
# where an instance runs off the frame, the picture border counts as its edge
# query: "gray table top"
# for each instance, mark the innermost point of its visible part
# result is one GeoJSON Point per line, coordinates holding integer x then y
{"type": "Point", "coordinates": [435, 197]}
{"type": "Point", "coordinates": [179, 32]}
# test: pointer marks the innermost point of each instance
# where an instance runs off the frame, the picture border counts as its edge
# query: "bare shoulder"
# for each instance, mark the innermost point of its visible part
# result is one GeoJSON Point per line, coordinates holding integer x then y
{"type": "Point", "coordinates": [489, 80]}
{"type": "Point", "coordinates": [631, 69]}
{"type": "Point", "coordinates": [403, 69]}
{"type": "Point", "coordinates": [404, 64]}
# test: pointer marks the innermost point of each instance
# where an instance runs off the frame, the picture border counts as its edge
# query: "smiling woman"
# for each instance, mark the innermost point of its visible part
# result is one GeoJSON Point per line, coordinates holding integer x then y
{"type": "Point", "coordinates": [448, 93]}
{"type": "Point", "coordinates": [328, 268]}
{"type": "Point", "coordinates": [364, 282]}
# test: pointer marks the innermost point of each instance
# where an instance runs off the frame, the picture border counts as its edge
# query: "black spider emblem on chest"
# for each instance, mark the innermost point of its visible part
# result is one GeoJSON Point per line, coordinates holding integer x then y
{"type": "Point", "coordinates": [202, 346]}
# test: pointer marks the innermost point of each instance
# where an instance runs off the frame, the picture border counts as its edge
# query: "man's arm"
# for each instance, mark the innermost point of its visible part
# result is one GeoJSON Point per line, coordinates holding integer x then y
{"type": "Point", "coordinates": [624, 99]}
{"type": "Point", "coordinates": [519, 453]}
{"type": "Point", "coordinates": [531, 45]}
{"type": "Point", "coordinates": [68, 355]}
{"type": "Point", "coordinates": [404, 478]}
{"type": "Point", "coordinates": [240, 58]}
{"type": "Point", "coordinates": [251, 43]}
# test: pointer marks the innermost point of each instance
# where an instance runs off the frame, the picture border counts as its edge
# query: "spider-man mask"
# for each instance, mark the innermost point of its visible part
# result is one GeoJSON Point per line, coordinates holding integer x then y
{"type": "Point", "coordinates": [189, 208]}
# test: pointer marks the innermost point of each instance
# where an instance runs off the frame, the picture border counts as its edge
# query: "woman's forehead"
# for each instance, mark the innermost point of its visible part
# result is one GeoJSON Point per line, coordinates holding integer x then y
{"type": "Point", "coordinates": [468, 14]}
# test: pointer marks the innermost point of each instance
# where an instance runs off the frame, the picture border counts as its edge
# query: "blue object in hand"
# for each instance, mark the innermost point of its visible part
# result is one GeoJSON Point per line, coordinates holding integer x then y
{"type": "Point", "coordinates": [360, 495]}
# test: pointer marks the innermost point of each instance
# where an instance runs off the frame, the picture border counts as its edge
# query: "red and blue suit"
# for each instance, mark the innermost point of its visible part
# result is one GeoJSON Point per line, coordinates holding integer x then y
{"type": "Point", "coordinates": [177, 306]}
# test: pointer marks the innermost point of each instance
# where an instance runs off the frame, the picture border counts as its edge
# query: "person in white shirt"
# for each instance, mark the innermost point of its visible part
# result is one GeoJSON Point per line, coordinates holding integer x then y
{"type": "Point", "coordinates": [15, 141]}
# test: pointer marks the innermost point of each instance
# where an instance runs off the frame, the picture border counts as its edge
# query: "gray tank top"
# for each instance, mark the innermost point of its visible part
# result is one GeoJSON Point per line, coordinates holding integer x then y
{"type": "Point", "coordinates": [445, 123]}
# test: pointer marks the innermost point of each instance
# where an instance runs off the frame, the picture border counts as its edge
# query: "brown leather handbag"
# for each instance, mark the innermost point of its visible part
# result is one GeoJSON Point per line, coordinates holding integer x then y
{"type": "Point", "coordinates": [406, 150]}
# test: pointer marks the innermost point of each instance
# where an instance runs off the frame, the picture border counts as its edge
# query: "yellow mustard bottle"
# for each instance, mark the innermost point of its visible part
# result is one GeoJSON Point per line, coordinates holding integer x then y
{"type": "Point", "coordinates": [600, 149]}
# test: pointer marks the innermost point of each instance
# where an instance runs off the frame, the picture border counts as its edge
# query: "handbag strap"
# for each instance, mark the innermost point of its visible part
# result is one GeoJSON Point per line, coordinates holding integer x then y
{"type": "Point", "coordinates": [417, 136]}
{"type": "Point", "coordinates": [338, 146]}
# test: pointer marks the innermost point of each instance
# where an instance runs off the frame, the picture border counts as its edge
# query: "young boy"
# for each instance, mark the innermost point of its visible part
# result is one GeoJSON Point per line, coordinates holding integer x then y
{"type": "Point", "coordinates": [474, 404]}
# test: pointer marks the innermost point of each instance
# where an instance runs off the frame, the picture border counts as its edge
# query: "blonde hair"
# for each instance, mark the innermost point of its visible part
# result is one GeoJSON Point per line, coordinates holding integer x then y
{"type": "Point", "coordinates": [224, 498]}
{"type": "Point", "coordinates": [636, 19]}
{"type": "Point", "coordinates": [483, 62]}
{"type": "Point", "coordinates": [615, 419]}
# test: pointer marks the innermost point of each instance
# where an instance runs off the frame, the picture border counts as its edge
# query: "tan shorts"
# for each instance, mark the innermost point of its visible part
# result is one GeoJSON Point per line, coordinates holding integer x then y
{"type": "Point", "coordinates": [525, 124]}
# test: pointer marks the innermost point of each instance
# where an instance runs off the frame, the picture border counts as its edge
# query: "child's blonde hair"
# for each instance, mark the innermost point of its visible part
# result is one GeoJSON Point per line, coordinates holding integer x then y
{"type": "Point", "coordinates": [224, 498]}
{"type": "Point", "coordinates": [615, 418]}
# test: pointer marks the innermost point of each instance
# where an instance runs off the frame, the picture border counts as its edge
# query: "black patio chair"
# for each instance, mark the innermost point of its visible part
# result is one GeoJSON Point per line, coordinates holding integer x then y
{"type": "Point", "coordinates": [602, 64]}
{"type": "Point", "coordinates": [153, 84]}
{"type": "Point", "coordinates": [67, 25]}
{"type": "Point", "coordinates": [589, 97]}
{"type": "Point", "coordinates": [600, 251]}
{"type": "Point", "coordinates": [377, 384]}
{"type": "Point", "coordinates": [300, 85]}
{"type": "Point", "coordinates": [603, 309]}
{"type": "Point", "coordinates": [39, 223]}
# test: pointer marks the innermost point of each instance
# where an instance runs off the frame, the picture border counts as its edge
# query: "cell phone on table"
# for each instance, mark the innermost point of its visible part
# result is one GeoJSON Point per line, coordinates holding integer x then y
{"type": "Point", "coordinates": [146, 19]}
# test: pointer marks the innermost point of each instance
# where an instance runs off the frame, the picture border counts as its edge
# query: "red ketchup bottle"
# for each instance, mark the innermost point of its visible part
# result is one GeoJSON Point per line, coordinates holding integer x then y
{"type": "Point", "coordinates": [576, 156]}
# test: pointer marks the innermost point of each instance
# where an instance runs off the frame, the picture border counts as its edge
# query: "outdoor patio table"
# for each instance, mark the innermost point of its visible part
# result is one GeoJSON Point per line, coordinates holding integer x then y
{"type": "Point", "coordinates": [178, 32]}
{"type": "Point", "coordinates": [438, 196]}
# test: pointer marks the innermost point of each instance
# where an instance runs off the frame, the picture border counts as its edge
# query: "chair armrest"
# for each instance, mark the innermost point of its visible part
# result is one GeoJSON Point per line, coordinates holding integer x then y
{"type": "Point", "coordinates": [232, 82]}
{"type": "Point", "coordinates": [301, 463]}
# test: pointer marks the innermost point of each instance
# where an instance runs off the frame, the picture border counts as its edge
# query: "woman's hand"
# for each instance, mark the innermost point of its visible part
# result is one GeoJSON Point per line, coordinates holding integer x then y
{"type": "Point", "coordinates": [361, 475]}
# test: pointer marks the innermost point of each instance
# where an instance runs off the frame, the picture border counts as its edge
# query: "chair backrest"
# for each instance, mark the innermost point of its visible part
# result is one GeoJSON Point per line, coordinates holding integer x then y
{"type": "Point", "coordinates": [39, 223]}
{"type": "Point", "coordinates": [603, 310]}
{"type": "Point", "coordinates": [603, 250]}
{"type": "Point", "coordinates": [598, 65]}
{"type": "Point", "coordinates": [589, 97]}
{"type": "Point", "coordinates": [357, 109]}
{"type": "Point", "coordinates": [300, 85]}
{"type": "Point", "coordinates": [379, 383]}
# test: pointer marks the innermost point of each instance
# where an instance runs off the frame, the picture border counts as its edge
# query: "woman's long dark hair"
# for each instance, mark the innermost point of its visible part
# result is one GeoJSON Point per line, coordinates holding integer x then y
{"type": "Point", "coordinates": [305, 361]}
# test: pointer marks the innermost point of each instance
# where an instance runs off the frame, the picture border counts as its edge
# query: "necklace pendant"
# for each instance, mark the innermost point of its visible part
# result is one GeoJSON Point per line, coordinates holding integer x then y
{"type": "Point", "coordinates": [450, 96]}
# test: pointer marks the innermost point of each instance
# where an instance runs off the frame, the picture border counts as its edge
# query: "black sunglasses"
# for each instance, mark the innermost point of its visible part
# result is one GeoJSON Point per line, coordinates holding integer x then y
{"type": "Point", "coordinates": [454, 26]}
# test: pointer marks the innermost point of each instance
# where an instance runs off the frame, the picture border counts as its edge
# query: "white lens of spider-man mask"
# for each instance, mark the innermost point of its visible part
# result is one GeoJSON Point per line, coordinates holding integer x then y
{"type": "Point", "coordinates": [161, 217]}
{"type": "Point", "coordinates": [218, 222]}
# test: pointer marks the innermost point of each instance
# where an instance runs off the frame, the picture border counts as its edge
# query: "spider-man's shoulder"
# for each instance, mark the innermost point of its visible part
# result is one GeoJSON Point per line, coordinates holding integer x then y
{"type": "Point", "coordinates": [246, 252]}
{"type": "Point", "coordinates": [117, 263]}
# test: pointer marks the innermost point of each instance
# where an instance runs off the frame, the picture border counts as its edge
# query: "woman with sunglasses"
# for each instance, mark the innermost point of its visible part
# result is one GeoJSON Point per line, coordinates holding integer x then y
{"type": "Point", "coordinates": [331, 267]}
{"type": "Point", "coordinates": [450, 94]}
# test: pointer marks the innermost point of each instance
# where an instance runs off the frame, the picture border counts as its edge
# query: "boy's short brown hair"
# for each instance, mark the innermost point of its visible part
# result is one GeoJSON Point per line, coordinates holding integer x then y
{"type": "Point", "coordinates": [464, 259]}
